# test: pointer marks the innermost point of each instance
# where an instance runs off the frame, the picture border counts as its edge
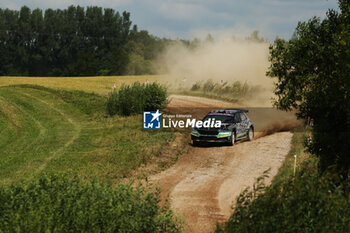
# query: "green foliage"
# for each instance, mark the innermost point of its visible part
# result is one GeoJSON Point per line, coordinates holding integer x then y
{"type": "Point", "coordinates": [313, 76]}
{"type": "Point", "coordinates": [61, 204]}
{"type": "Point", "coordinates": [86, 64]}
{"type": "Point", "coordinates": [138, 65]}
{"type": "Point", "coordinates": [307, 202]}
{"type": "Point", "coordinates": [155, 97]}
{"type": "Point", "coordinates": [136, 98]}
{"type": "Point", "coordinates": [76, 41]}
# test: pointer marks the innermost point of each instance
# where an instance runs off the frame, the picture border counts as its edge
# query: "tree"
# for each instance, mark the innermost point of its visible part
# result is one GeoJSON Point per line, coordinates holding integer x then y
{"type": "Point", "coordinates": [209, 39]}
{"type": "Point", "coordinates": [255, 37]}
{"type": "Point", "coordinates": [312, 71]}
{"type": "Point", "coordinates": [87, 65]}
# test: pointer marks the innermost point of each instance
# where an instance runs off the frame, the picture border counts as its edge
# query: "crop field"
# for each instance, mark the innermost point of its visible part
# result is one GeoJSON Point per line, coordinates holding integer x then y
{"type": "Point", "coordinates": [99, 84]}
{"type": "Point", "coordinates": [44, 130]}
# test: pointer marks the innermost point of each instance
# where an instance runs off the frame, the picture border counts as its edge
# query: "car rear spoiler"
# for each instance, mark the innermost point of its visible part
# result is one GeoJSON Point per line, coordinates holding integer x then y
{"type": "Point", "coordinates": [238, 109]}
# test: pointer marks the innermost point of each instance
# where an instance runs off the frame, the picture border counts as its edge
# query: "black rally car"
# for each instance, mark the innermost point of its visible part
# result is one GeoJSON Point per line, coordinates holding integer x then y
{"type": "Point", "coordinates": [235, 125]}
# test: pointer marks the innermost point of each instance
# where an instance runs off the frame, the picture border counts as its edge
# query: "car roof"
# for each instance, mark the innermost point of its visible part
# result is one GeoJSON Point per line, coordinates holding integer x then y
{"type": "Point", "coordinates": [214, 113]}
{"type": "Point", "coordinates": [236, 109]}
{"type": "Point", "coordinates": [228, 111]}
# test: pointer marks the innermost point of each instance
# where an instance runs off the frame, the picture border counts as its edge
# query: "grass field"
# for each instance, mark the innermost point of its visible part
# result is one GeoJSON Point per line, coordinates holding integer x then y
{"type": "Point", "coordinates": [47, 130]}
{"type": "Point", "coordinates": [99, 84]}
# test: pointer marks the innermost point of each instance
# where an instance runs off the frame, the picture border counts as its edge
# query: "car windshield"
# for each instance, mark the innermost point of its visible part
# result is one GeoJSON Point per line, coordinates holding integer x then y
{"type": "Point", "coordinates": [224, 118]}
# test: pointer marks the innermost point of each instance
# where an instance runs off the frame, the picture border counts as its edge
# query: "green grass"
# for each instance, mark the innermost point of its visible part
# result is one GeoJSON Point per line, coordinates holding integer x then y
{"type": "Point", "coordinates": [56, 131]}
{"type": "Point", "coordinates": [297, 148]}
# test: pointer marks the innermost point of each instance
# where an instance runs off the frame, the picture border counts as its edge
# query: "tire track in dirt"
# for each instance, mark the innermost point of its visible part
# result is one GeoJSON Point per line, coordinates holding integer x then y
{"type": "Point", "coordinates": [205, 181]}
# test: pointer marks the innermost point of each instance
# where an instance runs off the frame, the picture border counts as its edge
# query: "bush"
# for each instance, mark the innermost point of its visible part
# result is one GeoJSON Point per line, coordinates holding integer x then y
{"type": "Point", "coordinates": [209, 85]}
{"type": "Point", "coordinates": [307, 203]}
{"type": "Point", "coordinates": [135, 99]}
{"type": "Point", "coordinates": [196, 86]}
{"type": "Point", "coordinates": [60, 204]}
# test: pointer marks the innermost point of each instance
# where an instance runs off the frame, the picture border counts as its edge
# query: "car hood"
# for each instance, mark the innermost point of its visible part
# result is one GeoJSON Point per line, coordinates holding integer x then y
{"type": "Point", "coordinates": [223, 127]}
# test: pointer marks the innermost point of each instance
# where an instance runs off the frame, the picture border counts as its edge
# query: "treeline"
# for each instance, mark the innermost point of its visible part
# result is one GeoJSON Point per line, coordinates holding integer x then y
{"type": "Point", "coordinates": [76, 41]}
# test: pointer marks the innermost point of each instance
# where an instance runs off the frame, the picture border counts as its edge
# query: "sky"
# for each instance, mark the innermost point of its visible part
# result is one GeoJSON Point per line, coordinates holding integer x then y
{"type": "Point", "coordinates": [187, 19]}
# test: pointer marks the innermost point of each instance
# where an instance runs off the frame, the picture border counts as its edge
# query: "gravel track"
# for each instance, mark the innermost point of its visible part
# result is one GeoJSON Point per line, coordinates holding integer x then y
{"type": "Point", "coordinates": [205, 181]}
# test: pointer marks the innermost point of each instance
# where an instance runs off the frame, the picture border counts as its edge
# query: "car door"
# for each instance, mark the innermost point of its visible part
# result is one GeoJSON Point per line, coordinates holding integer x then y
{"type": "Point", "coordinates": [244, 124]}
{"type": "Point", "coordinates": [238, 122]}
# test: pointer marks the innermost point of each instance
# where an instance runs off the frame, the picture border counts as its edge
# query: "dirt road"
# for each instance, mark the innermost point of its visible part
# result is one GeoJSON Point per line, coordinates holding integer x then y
{"type": "Point", "coordinates": [204, 182]}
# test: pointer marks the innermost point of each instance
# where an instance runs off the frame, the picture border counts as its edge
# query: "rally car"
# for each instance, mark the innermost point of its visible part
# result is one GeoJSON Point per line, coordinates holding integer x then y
{"type": "Point", "coordinates": [235, 125]}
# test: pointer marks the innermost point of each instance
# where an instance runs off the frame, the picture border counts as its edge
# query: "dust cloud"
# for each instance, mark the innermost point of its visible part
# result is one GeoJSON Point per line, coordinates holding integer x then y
{"type": "Point", "coordinates": [228, 60]}
{"type": "Point", "coordinates": [222, 60]}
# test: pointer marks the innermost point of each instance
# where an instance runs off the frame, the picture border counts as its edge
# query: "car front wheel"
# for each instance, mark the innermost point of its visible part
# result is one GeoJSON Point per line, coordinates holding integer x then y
{"type": "Point", "coordinates": [250, 134]}
{"type": "Point", "coordinates": [232, 139]}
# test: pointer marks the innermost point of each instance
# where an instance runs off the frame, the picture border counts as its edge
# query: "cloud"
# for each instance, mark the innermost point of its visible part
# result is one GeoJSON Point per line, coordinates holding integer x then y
{"type": "Point", "coordinates": [182, 10]}
{"type": "Point", "coordinates": [296, 3]}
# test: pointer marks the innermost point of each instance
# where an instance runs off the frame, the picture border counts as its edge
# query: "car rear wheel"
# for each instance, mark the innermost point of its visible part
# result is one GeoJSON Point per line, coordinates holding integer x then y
{"type": "Point", "coordinates": [250, 134]}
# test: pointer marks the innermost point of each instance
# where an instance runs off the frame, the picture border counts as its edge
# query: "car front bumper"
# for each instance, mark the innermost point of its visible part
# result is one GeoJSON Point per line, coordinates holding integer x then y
{"type": "Point", "coordinates": [210, 139]}
{"type": "Point", "coordinates": [220, 137]}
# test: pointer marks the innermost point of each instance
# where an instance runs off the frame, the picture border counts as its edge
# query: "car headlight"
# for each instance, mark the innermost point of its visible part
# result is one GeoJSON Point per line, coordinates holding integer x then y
{"type": "Point", "coordinates": [195, 133]}
{"type": "Point", "coordinates": [224, 134]}
{"type": "Point", "coordinates": [224, 128]}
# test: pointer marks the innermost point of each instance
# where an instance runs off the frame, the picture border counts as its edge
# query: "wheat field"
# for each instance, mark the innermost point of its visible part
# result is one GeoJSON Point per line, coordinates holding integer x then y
{"type": "Point", "coordinates": [98, 84]}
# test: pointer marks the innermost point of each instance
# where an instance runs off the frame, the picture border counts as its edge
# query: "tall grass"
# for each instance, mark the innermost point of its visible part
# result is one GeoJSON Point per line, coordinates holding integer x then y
{"type": "Point", "coordinates": [235, 89]}
{"type": "Point", "coordinates": [227, 91]}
